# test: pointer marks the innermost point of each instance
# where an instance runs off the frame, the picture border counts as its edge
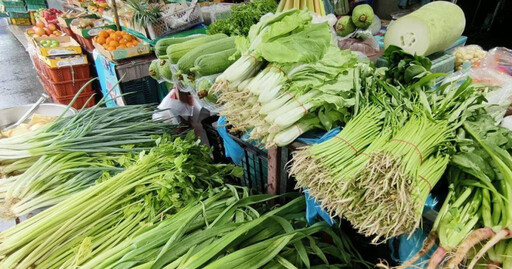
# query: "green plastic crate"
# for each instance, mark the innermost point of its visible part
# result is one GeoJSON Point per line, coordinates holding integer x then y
{"type": "Point", "coordinates": [13, 4]}
{"type": "Point", "coordinates": [36, 2]}
{"type": "Point", "coordinates": [16, 9]}
{"type": "Point", "coordinates": [36, 6]}
{"type": "Point", "coordinates": [18, 15]}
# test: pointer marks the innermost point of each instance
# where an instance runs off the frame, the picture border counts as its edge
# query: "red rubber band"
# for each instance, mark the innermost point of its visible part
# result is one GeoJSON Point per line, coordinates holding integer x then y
{"type": "Point", "coordinates": [279, 69]}
{"type": "Point", "coordinates": [255, 59]}
{"type": "Point", "coordinates": [348, 143]}
{"type": "Point", "coordinates": [429, 186]}
{"type": "Point", "coordinates": [411, 144]}
{"type": "Point", "coordinates": [298, 127]}
{"type": "Point", "coordinates": [297, 101]}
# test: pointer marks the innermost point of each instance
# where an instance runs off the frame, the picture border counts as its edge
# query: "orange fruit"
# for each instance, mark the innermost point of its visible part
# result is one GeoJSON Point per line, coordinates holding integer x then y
{"type": "Point", "coordinates": [113, 36]}
{"type": "Point", "coordinates": [108, 40]}
{"type": "Point", "coordinates": [129, 45]}
{"type": "Point", "coordinates": [122, 41]}
{"type": "Point", "coordinates": [103, 34]}
{"type": "Point", "coordinates": [110, 31]}
{"type": "Point", "coordinates": [119, 34]}
{"type": "Point", "coordinates": [110, 48]}
{"type": "Point", "coordinates": [101, 40]}
{"type": "Point", "coordinates": [128, 38]}
{"type": "Point", "coordinates": [135, 43]}
{"type": "Point", "coordinates": [122, 46]}
{"type": "Point", "coordinates": [113, 44]}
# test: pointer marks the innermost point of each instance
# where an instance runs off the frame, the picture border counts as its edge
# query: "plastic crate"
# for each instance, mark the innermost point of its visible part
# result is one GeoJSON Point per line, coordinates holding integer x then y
{"type": "Point", "coordinates": [36, 6]}
{"type": "Point", "coordinates": [16, 9]}
{"type": "Point", "coordinates": [66, 73]}
{"type": "Point", "coordinates": [13, 4]}
{"type": "Point", "coordinates": [21, 21]}
{"type": "Point", "coordinates": [65, 88]}
{"type": "Point", "coordinates": [83, 99]}
{"type": "Point", "coordinates": [140, 91]}
{"type": "Point", "coordinates": [68, 32]}
{"type": "Point", "coordinates": [86, 43]}
{"type": "Point", "coordinates": [134, 68]}
{"type": "Point", "coordinates": [256, 162]}
{"type": "Point", "coordinates": [19, 15]}
{"type": "Point", "coordinates": [35, 2]}
{"type": "Point", "coordinates": [176, 22]}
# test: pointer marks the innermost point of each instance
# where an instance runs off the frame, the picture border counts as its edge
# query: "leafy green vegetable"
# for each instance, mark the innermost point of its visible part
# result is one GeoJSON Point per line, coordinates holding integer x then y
{"type": "Point", "coordinates": [243, 16]}
{"type": "Point", "coordinates": [163, 181]}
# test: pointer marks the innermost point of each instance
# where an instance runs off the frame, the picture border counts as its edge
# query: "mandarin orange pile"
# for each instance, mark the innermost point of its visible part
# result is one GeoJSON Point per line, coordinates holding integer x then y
{"type": "Point", "coordinates": [112, 40]}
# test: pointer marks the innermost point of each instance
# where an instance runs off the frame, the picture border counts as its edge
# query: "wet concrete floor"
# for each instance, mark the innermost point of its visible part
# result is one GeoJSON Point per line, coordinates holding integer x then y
{"type": "Point", "coordinates": [19, 84]}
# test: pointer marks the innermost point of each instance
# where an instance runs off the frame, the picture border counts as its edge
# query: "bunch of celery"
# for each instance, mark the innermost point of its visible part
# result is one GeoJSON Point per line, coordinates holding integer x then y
{"type": "Point", "coordinates": [236, 230]}
{"type": "Point", "coordinates": [161, 182]}
{"type": "Point", "coordinates": [54, 178]}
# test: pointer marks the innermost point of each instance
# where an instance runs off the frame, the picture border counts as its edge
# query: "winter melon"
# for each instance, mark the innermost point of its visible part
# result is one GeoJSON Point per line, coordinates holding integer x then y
{"type": "Point", "coordinates": [432, 28]}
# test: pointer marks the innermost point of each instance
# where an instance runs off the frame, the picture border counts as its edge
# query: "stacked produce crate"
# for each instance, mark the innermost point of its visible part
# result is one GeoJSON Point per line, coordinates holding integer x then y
{"type": "Point", "coordinates": [63, 70]}
{"type": "Point", "coordinates": [17, 11]}
{"type": "Point", "coordinates": [33, 5]}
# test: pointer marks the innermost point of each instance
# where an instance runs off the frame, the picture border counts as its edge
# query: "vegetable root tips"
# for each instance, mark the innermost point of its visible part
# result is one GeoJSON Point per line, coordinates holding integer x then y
{"type": "Point", "coordinates": [493, 241]}
{"type": "Point", "coordinates": [494, 265]}
{"type": "Point", "coordinates": [427, 245]}
{"type": "Point", "coordinates": [474, 238]}
{"type": "Point", "coordinates": [436, 258]}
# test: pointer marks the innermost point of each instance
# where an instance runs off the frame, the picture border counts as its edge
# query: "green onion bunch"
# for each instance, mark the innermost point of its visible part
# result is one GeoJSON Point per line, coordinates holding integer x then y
{"type": "Point", "coordinates": [163, 180]}
{"type": "Point", "coordinates": [97, 129]}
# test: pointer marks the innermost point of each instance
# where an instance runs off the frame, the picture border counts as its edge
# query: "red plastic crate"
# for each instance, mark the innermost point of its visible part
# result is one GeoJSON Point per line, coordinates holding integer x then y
{"type": "Point", "coordinates": [66, 73]}
{"type": "Point", "coordinates": [86, 43]}
{"type": "Point", "coordinates": [67, 31]}
{"type": "Point", "coordinates": [83, 99]}
{"type": "Point", "coordinates": [65, 88]}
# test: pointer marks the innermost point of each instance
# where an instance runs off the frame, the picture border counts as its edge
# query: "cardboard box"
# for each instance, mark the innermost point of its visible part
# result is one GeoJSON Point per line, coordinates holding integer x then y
{"type": "Point", "coordinates": [89, 32]}
{"type": "Point", "coordinates": [67, 21]}
{"type": "Point", "coordinates": [67, 46]}
{"type": "Point", "coordinates": [61, 61]}
{"type": "Point", "coordinates": [119, 54]}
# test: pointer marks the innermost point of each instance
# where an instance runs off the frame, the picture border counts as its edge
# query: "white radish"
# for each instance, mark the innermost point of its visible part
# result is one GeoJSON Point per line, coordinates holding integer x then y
{"type": "Point", "coordinates": [432, 28]}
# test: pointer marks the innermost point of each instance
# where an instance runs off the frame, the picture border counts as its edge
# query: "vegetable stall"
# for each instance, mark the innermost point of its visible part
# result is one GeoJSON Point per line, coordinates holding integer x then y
{"type": "Point", "coordinates": [288, 134]}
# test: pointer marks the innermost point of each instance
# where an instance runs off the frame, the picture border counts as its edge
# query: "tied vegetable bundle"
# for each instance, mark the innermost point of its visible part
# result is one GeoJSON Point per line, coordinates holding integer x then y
{"type": "Point", "coordinates": [378, 171]}
{"type": "Point", "coordinates": [289, 80]}
{"type": "Point", "coordinates": [477, 209]}
{"type": "Point", "coordinates": [161, 182]}
{"type": "Point", "coordinates": [234, 229]}
{"type": "Point", "coordinates": [49, 165]}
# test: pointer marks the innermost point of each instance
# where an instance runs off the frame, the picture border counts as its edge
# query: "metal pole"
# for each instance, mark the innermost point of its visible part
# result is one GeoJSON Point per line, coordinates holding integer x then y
{"type": "Point", "coordinates": [116, 16]}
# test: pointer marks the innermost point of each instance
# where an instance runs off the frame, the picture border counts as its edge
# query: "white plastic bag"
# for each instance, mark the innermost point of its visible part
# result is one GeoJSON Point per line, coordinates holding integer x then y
{"type": "Point", "coordinates": [172, 109]}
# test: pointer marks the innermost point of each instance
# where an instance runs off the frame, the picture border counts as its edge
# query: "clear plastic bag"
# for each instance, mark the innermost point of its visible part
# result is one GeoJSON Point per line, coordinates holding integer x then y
{"type": "Point", "coordinates": [471, 53]}
{"type": "Point", "coordinates": [362, 41]}
{"type": "Point", "coordinates": [201, 85]}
